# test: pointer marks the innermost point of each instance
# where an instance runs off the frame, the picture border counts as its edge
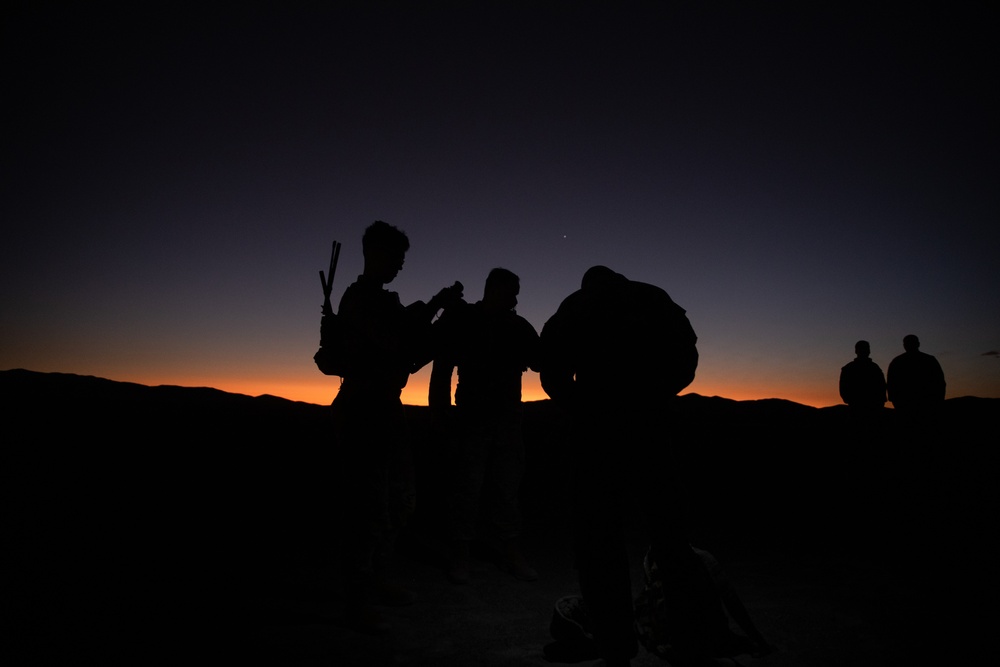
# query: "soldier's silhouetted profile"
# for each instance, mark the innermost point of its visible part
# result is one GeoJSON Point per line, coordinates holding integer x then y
{"type": "Point", "coordinates": [615, 354]}
{"type": "Point", "coordinates": [384, 342]}
{"type": "Point", "coordinates": [916, 381]}
{"type": "Point", "coordinates": [491, 345]}
{"type": "Point", "coordinates": [862, 384]}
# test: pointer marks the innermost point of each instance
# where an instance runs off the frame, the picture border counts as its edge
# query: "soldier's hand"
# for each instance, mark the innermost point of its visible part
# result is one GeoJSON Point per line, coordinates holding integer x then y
{"type": "Point", "coordinates": [448, 297]}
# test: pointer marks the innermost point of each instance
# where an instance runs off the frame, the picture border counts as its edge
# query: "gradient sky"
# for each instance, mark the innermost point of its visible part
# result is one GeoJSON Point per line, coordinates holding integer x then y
{"type": "Point", "coordinates": [797, 179]}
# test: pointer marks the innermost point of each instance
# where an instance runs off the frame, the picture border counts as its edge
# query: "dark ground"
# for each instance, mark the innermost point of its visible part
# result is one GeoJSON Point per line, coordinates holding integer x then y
{"type": "Point", "coordinates": [833, 610]}
{"type": "Point", "coordinates": [187, 526]}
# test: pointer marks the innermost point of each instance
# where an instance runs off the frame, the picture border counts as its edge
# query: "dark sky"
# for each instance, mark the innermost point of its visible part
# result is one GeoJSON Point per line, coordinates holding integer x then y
{"type": "Point", "coordinates": [796, 178]}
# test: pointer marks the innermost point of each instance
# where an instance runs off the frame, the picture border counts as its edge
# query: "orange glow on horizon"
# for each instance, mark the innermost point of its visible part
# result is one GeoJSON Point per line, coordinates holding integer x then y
{"type": "Point", "coordinates": [817, 397]}
{"type": "Point", "coordinates": [321, 390]}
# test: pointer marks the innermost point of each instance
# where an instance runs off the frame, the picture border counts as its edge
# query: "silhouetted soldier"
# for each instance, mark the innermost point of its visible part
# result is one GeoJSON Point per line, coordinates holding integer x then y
{"type": "Point", "coordinates": [862, 385]}
{"type": "Point", "coordinates": [916, 381]}
{"type": "Point", "coordinates": [384, 342]}
{"type": "Point", "coordinates": [917, 389]}
{"type": "Point", "coordinates": [492, 346]}
{"type": "Point", "coordinates": [615, 355]}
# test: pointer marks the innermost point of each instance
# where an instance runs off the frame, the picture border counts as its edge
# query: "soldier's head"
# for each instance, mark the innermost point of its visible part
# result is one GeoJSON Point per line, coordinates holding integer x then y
{"type": "Point", "coordinates": [502, 288]}
{"type": "Point", "coordinates": [911, 343]}
{"type": "Point", "coordinates": [862, 349]}
{"type": "Point", "coordinates": [384, 247]}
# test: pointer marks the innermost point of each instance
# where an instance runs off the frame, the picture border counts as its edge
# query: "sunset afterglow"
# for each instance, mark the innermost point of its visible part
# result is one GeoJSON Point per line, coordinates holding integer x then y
{"type": "Point", "coordinates": [797, 180]}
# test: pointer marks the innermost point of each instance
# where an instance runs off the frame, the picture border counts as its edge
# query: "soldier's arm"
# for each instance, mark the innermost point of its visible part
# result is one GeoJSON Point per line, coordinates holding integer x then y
{"type": "Point", "coordinates": [439, 391]}
{"type": "Point", "coordinates": [443, 341]}
{"type": "Point", "coordinates": [555, 369]}
{"type": "Point", "coordinates": [532, 346]}
{"type": "Point", "coordinates": [446, 298]}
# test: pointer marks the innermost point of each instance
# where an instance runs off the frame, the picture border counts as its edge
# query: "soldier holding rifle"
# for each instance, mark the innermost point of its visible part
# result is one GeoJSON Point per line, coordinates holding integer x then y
{"type": "Point", "coordinates": [381, 342]}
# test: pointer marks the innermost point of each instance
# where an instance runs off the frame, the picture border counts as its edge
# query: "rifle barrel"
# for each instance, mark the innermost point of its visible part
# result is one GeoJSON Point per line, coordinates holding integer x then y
{"type": "Point", "coordinates": [334, 258]}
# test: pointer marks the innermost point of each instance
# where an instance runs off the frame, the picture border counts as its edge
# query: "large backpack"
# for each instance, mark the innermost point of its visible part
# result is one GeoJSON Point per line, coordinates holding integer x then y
{"type": "Point", "coordinates": [329, 356]}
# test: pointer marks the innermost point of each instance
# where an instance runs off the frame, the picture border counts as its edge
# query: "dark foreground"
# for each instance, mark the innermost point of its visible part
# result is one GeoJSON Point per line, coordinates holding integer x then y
{"type": "Point", "coordinates": [182, 526]}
